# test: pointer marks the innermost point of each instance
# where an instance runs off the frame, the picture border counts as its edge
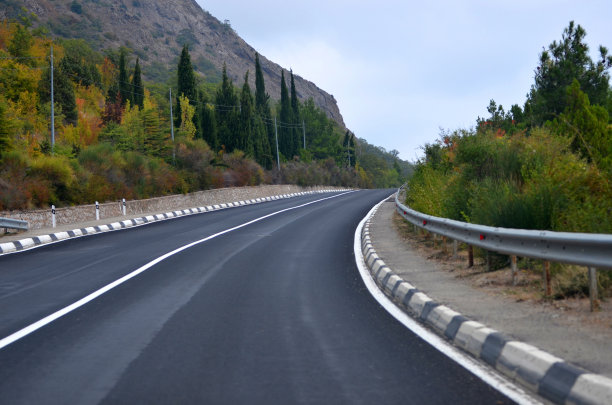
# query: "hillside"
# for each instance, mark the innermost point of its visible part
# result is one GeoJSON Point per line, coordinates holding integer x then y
{"type": "Point", "coordinates": [156, 30]}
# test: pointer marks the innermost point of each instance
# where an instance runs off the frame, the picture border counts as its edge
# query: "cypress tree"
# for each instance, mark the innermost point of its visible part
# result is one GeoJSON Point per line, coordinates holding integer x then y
{"type": "Point", "coordinates": [247, 110]}
{"type": "Point", "coordinates": [295, 112]}
{"type": "Point", "coordinates": [262, 108]}
{"type": "Point", "coordinates": [261, 97]}
{"type": "Point", "coordinates": [226, 113]}
{"type": "Point", "coordinates": [285, 141]}
{"type": "Point", "coordinates": [186, 82]}
{"type": "Point", "coordinates": [208, 124]}
{"type": "Point", "coordinates": [137, 87]}
{"type": "Point", "coordinates": [124, 85]}
{"type": "Point", "coordinates": [63, 92]}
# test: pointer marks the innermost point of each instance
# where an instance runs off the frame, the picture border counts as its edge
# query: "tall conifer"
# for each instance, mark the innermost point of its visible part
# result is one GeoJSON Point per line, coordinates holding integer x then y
{"type": "Point", "coordinates": [124, 84]}
{"type": "Point", "coordinates": [137, 87]}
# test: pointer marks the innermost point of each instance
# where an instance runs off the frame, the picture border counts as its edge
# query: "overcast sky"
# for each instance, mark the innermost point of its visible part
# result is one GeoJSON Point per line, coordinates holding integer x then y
{"type": "Point", "coordinates": [401, 70]}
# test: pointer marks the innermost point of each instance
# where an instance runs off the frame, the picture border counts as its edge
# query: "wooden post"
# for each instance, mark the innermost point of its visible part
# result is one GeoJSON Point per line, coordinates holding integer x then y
{"type": "Point", "coordinates": [488, 261]}
{"type": "Point", "coordinates": [593, 297]}
{"type": "Point", "coordinates": [455, 248]}
{"type": "Point", "coordinates": [514, 269]}
{"type": "Point", "coordinates": [444, 244]}
{"type": "Point", "coordinates": [547, 278]}
{"type": "Point", "coordinates": [470, 256]}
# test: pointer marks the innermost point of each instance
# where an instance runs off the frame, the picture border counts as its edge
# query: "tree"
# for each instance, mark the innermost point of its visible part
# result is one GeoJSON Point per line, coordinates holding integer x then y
{"type": "Point", "coordinates": [247, 112]}
{"type": "Point", "coordinates": [137, 87]}
{"type": "Point", "coordinates": [63, 91]}
{"type": "Point", "coordinates": [262, 107]}
{"type": "Point", "coordinates": [208, 124]}
{"type": "Point", "coordinates": [559, 65]}
{"type": "Point", "coordinates": [587, 125]}
{"type": "Point", "coordinates": [187, 128]}
{"type": "Point", "coordinates": [20, 44]}
{"type": "Point", "coordinates": [226, 112]}
{"type": "Point", "coordinates": [295, 112]}
{"type": "Point", "coordinates": [285, 133]}
{"type": "Point", "coordinates": [5, 129]}
{"type": "Point", "coordinates": [124, 84]}
{"type": "Point", "coordinates": [186, 82]}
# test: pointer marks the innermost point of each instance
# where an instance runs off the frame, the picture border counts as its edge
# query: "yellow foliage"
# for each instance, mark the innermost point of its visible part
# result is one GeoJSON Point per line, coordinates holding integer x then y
{"type": "Point", "coordinates": [187, 128]}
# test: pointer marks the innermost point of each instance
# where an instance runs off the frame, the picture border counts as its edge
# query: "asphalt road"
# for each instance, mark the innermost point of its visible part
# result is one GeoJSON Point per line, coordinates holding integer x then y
{"type": "Point", "coordinates": [272, 312]}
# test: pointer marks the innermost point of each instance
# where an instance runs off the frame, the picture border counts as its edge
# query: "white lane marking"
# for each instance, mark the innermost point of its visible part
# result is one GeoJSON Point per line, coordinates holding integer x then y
{"type": "Point", "coordinates": [490, 377]}
{"type": "Point", "coordinates": [58, 314]}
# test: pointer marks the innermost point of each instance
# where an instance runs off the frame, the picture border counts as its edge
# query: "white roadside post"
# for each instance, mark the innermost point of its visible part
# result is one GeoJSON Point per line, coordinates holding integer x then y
{"type": "Point", "coordinates": [53, 215]}
{"type": "Point", "coordinates": [97, 211]}
{"type": "Point", "coordinates": [123, 206]}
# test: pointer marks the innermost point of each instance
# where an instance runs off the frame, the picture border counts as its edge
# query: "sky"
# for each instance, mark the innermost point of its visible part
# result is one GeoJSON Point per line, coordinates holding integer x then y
{"type": "Point", "coordinates": [402, 71]}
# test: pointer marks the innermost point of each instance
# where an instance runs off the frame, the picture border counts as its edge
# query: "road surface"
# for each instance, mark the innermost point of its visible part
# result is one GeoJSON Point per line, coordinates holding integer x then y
{"type": "Point", "coordinates": [273, 311]}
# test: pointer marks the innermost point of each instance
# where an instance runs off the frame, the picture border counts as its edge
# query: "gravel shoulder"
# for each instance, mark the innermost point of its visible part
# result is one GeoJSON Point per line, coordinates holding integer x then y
{"type": "Point", "coordinates": [565, 328]}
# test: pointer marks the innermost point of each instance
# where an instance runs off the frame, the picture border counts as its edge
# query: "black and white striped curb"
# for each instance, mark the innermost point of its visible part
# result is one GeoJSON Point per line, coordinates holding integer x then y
{"type": "Point", "coordinates": [34, 241]}
{"type": "Point", "coordinates": [545, 374]}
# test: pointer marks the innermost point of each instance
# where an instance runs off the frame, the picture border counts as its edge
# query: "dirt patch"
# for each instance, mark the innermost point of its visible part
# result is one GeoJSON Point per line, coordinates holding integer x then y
{"type": "Point", "coordinates": [573, 311]}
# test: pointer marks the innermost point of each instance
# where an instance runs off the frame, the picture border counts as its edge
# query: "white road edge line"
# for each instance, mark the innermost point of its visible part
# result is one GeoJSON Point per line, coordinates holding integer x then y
{"type": "Point", "coordinates": [495, 380]}
{"type": "Point", "coordinates": [58, 314]}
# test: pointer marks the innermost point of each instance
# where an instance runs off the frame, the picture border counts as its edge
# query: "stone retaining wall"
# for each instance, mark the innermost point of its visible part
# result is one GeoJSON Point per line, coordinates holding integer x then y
{"type": "Point", "coordinates": [38, 219]}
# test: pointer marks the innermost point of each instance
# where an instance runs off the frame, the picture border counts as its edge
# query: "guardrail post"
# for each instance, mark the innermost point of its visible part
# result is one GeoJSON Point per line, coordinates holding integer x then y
{"type": "Point", "coordinates": [488, 261]}
{"type": "Point", "coordinates": [547, 278]}
{"type": "Point", "coordinates": [444, 247]}
{"type": "Point", "coordinates": [97, 211]}
{"type": "Point", "coordinates": [123, 206]}
{"type": "Point", "coordinates": [53, 216]}
{"type": "Point", "coordinates": [593, 298]}
{"type": "Point", "coordinates": [514, 269]}
{"type": "Point", "coordinates": [470, 256]}
{"type": "Point", "coordinates": [455, 248]}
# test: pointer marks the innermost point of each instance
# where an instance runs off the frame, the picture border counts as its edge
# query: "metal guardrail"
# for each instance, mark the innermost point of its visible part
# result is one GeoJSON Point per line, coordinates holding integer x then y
{"type": "Point", "coordinates": [13, 224]}
{"type": "Point", "coordinates": [584, 249]}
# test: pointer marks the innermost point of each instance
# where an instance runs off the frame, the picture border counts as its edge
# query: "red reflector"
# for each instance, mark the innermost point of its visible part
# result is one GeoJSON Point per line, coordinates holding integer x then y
{"type": "Point", "coordinates": [482, 237]}
{"type": "Point", "coordinates": [404, 212]}
{"type": "Point", "coordinates": [424, 222]}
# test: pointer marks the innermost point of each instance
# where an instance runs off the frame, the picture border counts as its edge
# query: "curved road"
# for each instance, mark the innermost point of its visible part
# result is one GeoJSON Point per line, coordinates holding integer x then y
{"type": "Point", "coordinates": [271, 312]}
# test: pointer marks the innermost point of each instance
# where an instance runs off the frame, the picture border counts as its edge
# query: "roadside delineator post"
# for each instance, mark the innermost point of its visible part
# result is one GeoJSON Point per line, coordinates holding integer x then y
{"type": "Point", "coordinates": [53, 215]}
{"type": "Point", "coordinates": [123, 206]}
{"type": "Point", "coordinates": [593, 297]}
{"type": "Point", "coordinates": [514, 269]}
{"type": "Point", "coordinates": [97, 211]}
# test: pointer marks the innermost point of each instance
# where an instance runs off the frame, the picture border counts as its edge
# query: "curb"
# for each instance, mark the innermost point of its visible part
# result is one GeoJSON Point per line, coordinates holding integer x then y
{"type": "Point", "coordinates": [542, 373]}
{"type": "Point", "coordinates": [28, 243]}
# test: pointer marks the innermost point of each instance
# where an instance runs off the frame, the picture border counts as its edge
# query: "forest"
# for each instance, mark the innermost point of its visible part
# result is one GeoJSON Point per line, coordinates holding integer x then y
{"type": "Point", "coordinates": [110, 134]}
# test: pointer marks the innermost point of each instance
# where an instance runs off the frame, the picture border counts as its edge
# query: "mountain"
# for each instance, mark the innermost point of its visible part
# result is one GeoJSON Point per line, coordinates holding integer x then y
{"type": "Point", "coordinates": [156, 30]}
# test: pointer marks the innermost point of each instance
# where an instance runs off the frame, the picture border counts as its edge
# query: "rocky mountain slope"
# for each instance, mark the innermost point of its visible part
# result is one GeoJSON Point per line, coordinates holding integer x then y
{"type": "Point", "coordinates": [156, 31]}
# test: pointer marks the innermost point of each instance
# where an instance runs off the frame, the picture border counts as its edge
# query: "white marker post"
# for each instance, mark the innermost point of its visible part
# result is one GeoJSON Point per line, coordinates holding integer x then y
{"type": "Point", "coordinates": [97, 211]}
{"type": "Point", "coordinates": [123, 207]}
{"type": "Point", "coordinates": [53, 215]}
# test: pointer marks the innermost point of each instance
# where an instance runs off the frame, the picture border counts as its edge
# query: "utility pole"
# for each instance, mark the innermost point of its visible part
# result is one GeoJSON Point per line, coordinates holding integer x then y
{"type": "Point", "coordinates": [172, 127]}
{"type": "Point", "coordinates": [52, 107]}
{"type": "Point", "coordinates": [304, 132]}
{"type": "Point", "coordinates": [276, 134]}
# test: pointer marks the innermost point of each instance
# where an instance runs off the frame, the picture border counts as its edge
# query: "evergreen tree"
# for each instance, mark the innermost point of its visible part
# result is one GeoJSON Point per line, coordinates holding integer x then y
{"type": "Point", "coordinates": [226, 112]}
{"type": "Point", "coordinates": [5, 129]}
{"type": "Point", "coordinates": [247, 112]}
{"type": "Point", "coordinates": [208, 125]}
{"type": "Point", "coordinates": [285, 133]}
{"type": "Point", "coordinates": [137, 87]}
{"type": "Point", "coordinates": [63, 92]}
{"type": "Point", "coordinates": [295, 112]}
{"type": "Point", "coordinates": [186, 83]}
{"type": "Point", "coordinates": [262, 107]}
{"type": "Point", "coordinates": [20, 44]}
{"type": "Point", "coordinates": [124, 85]}
{"type": "Point", "coordinates": [559, 65]}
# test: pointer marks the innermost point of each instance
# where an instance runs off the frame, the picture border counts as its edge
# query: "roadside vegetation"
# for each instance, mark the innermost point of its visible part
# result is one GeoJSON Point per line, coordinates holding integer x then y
{"type": "Point", "coordinates": [113, 129]}
{"type": "Point", "coordinates": [546, 165]}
